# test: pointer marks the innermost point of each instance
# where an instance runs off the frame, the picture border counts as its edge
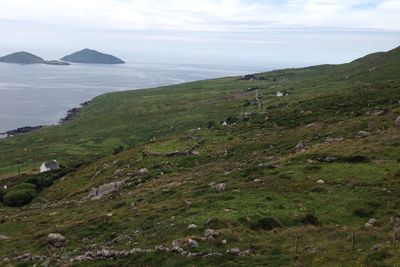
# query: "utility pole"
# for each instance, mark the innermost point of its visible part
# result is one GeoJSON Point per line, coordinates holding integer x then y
{"type": "Point", "coordinates": [259, 101]}
{"type": "Point", "coordinates": [19, 167]}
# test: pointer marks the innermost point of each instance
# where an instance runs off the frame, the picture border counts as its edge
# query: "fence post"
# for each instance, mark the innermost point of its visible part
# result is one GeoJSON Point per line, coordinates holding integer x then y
{"type": "Point", "coordinates": [296, 245]}
{"type": "Point", "coordinates": [249, 247]}
{"type": "Point", "coordinates": [352, 241]}
{"type": "Point", "coordinates": [394, 240]}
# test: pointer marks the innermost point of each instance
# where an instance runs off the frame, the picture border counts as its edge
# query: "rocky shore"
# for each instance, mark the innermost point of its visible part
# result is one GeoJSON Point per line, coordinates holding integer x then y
{"type": "Point", "coordinates": [21, 130]}
{"type": "Point", "coordinates": [73, 112]}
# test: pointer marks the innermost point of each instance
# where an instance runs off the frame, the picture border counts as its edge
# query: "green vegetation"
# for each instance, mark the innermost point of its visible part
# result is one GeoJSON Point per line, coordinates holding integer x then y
{"type": "Point", "coordinates": [300, 180]}
{"type": "Point", "coordinates": [19, 197]}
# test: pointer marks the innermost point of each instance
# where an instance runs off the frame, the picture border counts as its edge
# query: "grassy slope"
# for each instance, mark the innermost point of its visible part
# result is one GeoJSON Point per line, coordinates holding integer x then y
{"type": "Point", "coordinates": [338, 100]}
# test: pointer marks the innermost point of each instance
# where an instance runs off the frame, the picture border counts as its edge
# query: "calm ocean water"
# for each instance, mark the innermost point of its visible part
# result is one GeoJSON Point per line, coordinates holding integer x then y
{"type": "Point", "coordinates": [39, 94]}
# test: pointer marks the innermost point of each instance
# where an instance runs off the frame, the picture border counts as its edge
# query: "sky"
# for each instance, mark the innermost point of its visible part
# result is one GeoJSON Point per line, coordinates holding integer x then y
{"type": "Point", "coordinates": [270, 33]}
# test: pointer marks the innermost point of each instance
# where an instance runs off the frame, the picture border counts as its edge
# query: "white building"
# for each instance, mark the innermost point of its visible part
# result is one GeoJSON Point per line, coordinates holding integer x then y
{"type": "Point", "coordinates": [49, 166]}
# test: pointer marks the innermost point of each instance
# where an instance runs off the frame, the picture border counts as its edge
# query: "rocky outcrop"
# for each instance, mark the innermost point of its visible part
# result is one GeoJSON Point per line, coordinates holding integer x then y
{"type": "Point", "coordinates": [300, 147]}
{"type": "Point", "coordinates": [73, 112]}
{"type": "Point", "coordinates": [248, 77]}
{"type": "Point", "coordinates": [56, 240]}
{"type": "Point", "coordinates": [362, 134]}
{"type": "Point", "coordinates": [105, 189]}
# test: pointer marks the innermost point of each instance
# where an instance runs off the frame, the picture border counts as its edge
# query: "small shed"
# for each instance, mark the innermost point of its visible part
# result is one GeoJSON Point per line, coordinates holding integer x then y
{"type": "Point", "coordinates": [49, 166]}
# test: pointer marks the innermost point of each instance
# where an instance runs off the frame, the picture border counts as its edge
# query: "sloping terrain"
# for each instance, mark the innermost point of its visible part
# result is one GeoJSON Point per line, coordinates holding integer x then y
{"type": "Point", "coordinates": [308, 176]}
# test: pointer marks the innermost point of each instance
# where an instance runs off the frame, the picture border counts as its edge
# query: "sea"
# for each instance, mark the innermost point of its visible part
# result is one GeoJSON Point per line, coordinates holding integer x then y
{"type": "Point", "coordinates": [32, 95]}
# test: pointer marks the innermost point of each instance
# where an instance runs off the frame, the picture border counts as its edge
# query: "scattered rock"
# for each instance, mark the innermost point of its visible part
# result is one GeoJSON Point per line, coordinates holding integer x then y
{"type": "Point", "coordinates": [281, 93]}
{"type": "Point", "coordinates": [215, 222]}
{"type": "Point", "coordinates": [300, 147]}
{"type": "Point", "coordinates": [187, 202]}
{"type": "Point", "coordinates": [234, 251]}
{"type": "Point", "coordinates": [381, 112]}
{"type": "Point", "coordinates": [56, 240]}
{"type": "Point", "coordinates": [397, 121]}
{"type": "Point", "coordinates": [371, 223]}
{"type": "Point", "coordinates": [211, 234]}
{"type": "Point", "coordinates": [192, 227]}
{"type": "Point", "coordinates": [311, 250]}
{"type": "Point", "coordinates": [362, 134]}
{"type": "Point", "coordinates": [143, 171]}
{"type": "Point", "coordinates": [3, 237]}
{"type": "Point", "coordinates": [192, 243]}
{"type": "Point", "coordinates": [320, 182]}
{"type": "Point", "coordinates": [376, 247]}
{"type": "Point", "coordinates": [267, 165]}
{"type": "Point", "coordinates": [220, 187]}
{"type": "Point", "coordinates": [311, 125]}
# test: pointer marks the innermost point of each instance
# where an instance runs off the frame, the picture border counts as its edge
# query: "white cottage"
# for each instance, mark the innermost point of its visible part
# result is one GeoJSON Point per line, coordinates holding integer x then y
{"type": "Point", "coordinates": [49, 166]}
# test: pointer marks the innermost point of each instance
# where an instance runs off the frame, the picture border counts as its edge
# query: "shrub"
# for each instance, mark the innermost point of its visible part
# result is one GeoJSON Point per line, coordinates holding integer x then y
{"type": "Point", "coordinates": [40, 182]}
{"type": "Point", "coordinates": [18, 198]}
{"type": "Point", "coordinates": [378, 256]}
{"type": "Point", "coordinates": [2, 193]}
{"type": "Point", "coordinates": [361, 212]}
{"type": "Point", "coordinates": [356, 159]}
{"type": "Point", "coordinates": [23, 186]}
{"type": "Point", "coordinates": [210, 124]}
{"type": "Point", "coordinates": [265, 224]}
{"type": "Point", "coordinates": [310, 219]}
{"type": "Point", "coordinates": [118, 150]}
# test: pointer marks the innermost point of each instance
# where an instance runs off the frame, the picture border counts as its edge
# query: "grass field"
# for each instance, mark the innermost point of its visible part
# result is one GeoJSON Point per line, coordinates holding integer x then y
{"type": "Point", "coordinates": [273, 195]}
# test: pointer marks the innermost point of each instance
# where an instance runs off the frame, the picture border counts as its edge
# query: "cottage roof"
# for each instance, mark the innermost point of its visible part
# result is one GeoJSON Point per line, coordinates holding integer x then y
{"type": "Point", "coordinates": [51, 165]}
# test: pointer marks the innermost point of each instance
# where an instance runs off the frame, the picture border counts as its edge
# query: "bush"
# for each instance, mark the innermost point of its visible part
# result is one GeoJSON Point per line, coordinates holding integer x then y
{"type": "Point", "coordinates": [23, 186]}
{"type": "Point", "coordinates": [356, 159]}
{"type": "Point", "coordinates": [2, 193]}
{"type": "Point", "coordinates": [118, 150]}
{"type": "Point", "coordinates": [210, 124]}
{"type": "Point", "coordinates": [363, 213]}
{"type": "Point", "coordinates": [40, 182]}
{"type": "Point", "coordinates": [265, 224]}
{"type": "Point", "coordinates": [310, 219]}
{"type": "Point", "coordinates": [18, 198]}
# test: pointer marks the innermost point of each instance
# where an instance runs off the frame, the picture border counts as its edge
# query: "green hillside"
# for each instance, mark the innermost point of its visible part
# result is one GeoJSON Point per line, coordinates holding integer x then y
{"type": "Point", "coordinates": [309, 178]}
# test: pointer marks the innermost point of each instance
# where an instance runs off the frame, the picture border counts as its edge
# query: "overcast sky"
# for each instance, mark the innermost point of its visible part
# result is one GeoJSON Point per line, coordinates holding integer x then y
{"type": "Point", "coordinates": [270, 33]}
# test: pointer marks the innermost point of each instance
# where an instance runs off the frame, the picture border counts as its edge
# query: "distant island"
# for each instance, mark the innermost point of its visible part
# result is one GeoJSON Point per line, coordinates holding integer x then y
{"type": "Point", "coordinates": [92, 57]}
{"type": "Point", "coordinates": [29, 58]}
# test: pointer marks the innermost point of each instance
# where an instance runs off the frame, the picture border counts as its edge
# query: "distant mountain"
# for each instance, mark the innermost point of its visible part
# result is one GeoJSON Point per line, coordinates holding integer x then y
{"type": "Point", "coordinates": [92, 56]}
{"type": "Point", "coordinates": [28, 58]}
{"type": "Point", "coordinates": [22, 58]}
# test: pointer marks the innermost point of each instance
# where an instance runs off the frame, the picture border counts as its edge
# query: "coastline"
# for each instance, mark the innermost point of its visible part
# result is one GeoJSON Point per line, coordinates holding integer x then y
{"type": "Point", "coordinates": [28, 129]}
